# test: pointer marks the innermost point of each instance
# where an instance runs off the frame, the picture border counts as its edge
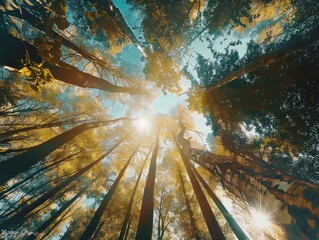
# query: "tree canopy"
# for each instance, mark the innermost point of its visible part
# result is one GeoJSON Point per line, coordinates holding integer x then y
{"type": "Point", "coordinates": [159, 119]}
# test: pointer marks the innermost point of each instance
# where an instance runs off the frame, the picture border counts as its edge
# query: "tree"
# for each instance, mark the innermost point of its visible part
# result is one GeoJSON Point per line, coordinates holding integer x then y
{"type": "Point", "coordinates": [57, 214]}
{"type": "Point", "coordinates": [195, 231]}
{"type": "Point", "coordinates": [231, 221]}
{"type": "Point", "coordinates": [210, 219]}
{"type": "Point", "coordinates": [19, 216]}
{"type": "Point", "coordinates": [60, 71]}
{"type": "Point", "coordinates": [126, 224]}
{"type": "Point", "coordinates": [91, 228]}
{"type": "Point", "coordinates": [63, 60]}
{"type": "Point", "coordinates": [291, 47]}
{"type": "Point", "coordinates": [252, 183]}
{"type": "Point", "coordinates": [39, 152]}
{"type": "Point", "coordinates": [145, 223]}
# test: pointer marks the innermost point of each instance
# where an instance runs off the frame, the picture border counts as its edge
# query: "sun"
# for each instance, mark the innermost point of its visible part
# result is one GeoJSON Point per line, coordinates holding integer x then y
{"type": "Point", "coordinates": [260, 220]}
{"type": "Point", "coordinates": [142, 125]}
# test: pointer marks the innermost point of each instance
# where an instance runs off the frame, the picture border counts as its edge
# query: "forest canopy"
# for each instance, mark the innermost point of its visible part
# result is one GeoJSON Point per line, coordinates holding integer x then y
{"type": "Point", "coordinates": [153, 119]}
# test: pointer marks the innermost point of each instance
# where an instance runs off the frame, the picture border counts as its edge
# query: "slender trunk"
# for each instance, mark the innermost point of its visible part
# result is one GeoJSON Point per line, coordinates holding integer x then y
{"type": "Point", "coordinates": [22, 162]}
{"type": "Point", "coordinates": [48, 234]}
{"type": "Point", "coordinates": [14, 50]}
{"type": "Point", "coordinates": [179, 26]}
{"type": "Point", "coordinates": [91, 228]}
{"type": "Point", "coordinates": [18, 217]}
{"type": "Point", "coordinates": [51, 201]}
{"type": "Point", "coordinates": [27, 16]}
{"type": "Point", "coordinates": [98, 230]}
{"type": "Point", "coordinates": [189, 209]}
{"type": "Point", "coordinates": [55, 215]}
{"type": "Point", "coordinates": [231, 221]}
{"type": "Point", "coordinates": [289, 48]}
{"type": "Point", "coordinates": [210, 219]}
{"type": "Point", "coordinates": [25, 181]}
{"type": "Point", "coordinates": [159, 225]}
{"type": "Point", "coordinates": [145, 223]}
{"type": "Point", "coordinates": [114, 12]}
{"type": "Point", "coordinates": [127, 230]}
{"type": "Point", "coordinates": [35, 127]}
{"type": "Point", "coordinates": [25, 202]}
{"type": "Point", "coordinates": [129, 207]}
{"type": "Point", "coordinates": [293, 204]}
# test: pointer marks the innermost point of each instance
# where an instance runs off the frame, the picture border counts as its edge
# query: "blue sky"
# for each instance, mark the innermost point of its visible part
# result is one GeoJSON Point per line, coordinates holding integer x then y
{"type": "Point", "coordinates": [162, 104]}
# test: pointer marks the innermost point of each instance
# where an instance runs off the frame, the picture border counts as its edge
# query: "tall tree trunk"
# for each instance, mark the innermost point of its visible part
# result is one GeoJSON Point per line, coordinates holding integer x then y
{"type": "Point", "coordinates": [129, 207]}
{"type": "Point", "coordinates": [98, 230]}
{"type": "Point", "coordinates": [25, 181]}
{"type": "Point", "coordinates": [127, 231]}
{"type": "Point", "coordinates": [293, 204]}
{"type": "Point", "coordinates": [189, 209]}
{"type": "Point", "coordinates": [48, 234]}
{"type": "Point", "coordinates": [18, 217]}
{"type": "Point", "coordinates": [22, 162]}
{"type": "Point", "coordinates": [210, 219]}
{"type": "Point", "coordinates": [30, 18]}
{"type": "Point", "coordinates": [55, 215]}
{"type": "Point", "coordinates": [91, 228]}
{"type": "Point", "coordinates": [14, 50]}
{"type": "Point", "coordinates": [290, 48]}
{"type": "Point", "coordinates": [35, 127]}
{"type": "Point", "coordinates": [145, 223]}
{"type": "Point", "coordinates": [114, 12]}
{"type": "Point", "coordinates": [231, 221]}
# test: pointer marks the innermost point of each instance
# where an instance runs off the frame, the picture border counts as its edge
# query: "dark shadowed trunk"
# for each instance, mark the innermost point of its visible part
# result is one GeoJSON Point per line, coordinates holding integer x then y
{"type": "Point", "coordinates": [291, 47]}
{"type": "Point", "coordinates": [114, 12]}
{"type": "Point", "coordinates": [31, 176]}
{"type": "Point", "coordinates": [193, 224]}
{"type": "Point", "coordinates": [55, 215]}
{"type": "Point", "coordinates": [124, 228]}
{"type": "Point", "coordinates": [91, 228]}
{"type": "Point", "coordinates": [39, 126]}
{"type": "Point", "coordinates": [210, 219]}
{"type": "Point", "coordinates": [30, 18]}
{"type": "Point", "coordinates": [293, 204]}
{"type": "Point", "coordinates": [18, 217]}
{"type": "Point", "coordinates": [127, 230]}
{"type": "Point", "coordinates": [14, 50]}
{"type": "Point", "coordinates": [145, 223]}
{"type": "Point", "coordinates": [231, 221]}
{"type": "Point", "coordinates": [22, 162]}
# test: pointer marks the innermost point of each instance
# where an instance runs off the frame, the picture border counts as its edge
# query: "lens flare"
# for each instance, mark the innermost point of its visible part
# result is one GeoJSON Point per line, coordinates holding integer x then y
{"type": "Point", "coordinates": [142, 125]}
{"type": "Point", "coordinates": [260, 219]}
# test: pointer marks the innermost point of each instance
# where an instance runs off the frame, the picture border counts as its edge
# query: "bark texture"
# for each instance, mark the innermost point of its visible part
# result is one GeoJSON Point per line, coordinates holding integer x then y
{"type": "Point", "coordinates": [231, 221]}
{"type": "Point", "coordinates": [293, 204]}
{"type": "Point", "coordinates": [209, 217]}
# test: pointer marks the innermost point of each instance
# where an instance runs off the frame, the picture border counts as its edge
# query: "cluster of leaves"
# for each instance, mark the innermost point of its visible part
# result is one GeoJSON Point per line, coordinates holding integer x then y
{"type": "Point", "coordinates": [36, 74]}
{"type": "Point", "coordinates": [276, 101]}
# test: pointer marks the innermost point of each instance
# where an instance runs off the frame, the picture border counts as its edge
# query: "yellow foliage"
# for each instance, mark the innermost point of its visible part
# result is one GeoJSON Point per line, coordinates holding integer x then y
{"type": "Point", "coordinates": [219, 148]}
{"type": "Point", "coordinates": [116, 38]}
{"type": "Point", "coordinates": [164, 71]}
{"type": "Point", "coordinates": [278, 11]}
